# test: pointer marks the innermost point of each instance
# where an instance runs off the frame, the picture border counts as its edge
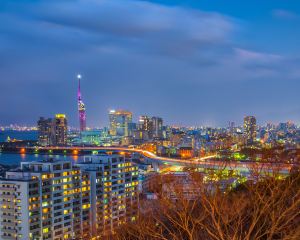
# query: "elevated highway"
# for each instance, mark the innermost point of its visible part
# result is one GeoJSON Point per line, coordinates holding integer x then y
{"type": "Point", "coordinates": [201, 162]}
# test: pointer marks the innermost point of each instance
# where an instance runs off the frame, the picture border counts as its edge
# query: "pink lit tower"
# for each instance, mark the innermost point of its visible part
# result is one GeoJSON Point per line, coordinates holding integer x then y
{"type": "Point", "coordinates": [81, 108]}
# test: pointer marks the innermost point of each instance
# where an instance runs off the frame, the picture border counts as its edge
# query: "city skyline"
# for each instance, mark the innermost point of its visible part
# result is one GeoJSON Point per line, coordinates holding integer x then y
{"type": "Point", "coordinates": [190, 63]}
{"type": "Point", "coordinates": [136, 118]}
{"type": "Point", "coordinates": [149, 119]}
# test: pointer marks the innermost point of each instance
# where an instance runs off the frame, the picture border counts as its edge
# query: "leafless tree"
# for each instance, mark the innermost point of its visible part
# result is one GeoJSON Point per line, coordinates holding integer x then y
{"type": "Point", "coordinates": [262, 208]}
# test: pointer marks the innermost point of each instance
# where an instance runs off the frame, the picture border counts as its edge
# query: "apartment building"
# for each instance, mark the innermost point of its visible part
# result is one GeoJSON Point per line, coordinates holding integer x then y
{"type": "Point", "coordinates": [56, 200]}
{"type": "Point", "coordinates": [44, 200]}
{"type": "Point", "coordinates": [114, 191]}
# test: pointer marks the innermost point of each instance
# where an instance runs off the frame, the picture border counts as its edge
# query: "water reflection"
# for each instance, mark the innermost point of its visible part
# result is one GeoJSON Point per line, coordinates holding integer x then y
{"type": "Point", "coordinates": [15, 159]}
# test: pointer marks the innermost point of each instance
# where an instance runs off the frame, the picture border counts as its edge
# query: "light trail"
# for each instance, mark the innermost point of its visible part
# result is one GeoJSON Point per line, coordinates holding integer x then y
{"type": "Point", "coordinates": [203, 162]}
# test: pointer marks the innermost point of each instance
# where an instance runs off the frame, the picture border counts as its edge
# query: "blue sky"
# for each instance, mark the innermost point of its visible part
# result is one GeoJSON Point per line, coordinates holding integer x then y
{"type": "Point", "coordinates": [191, 62]}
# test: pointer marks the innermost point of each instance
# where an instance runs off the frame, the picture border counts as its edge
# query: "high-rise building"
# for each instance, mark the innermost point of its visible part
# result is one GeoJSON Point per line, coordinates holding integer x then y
{"type": "Point", "coordinates": [250, 129]}
{"type": "Point", "coordinates": [114, 187]}
{"type": "Point", "coordinates": [145, 127]}
{"type": "Point", "coordinates": [55, 200]}
{"type": "Point", "coordinates": [149, 128]}
{"type": "Point", "coordinates": [53, 132]}
{"type": "Point", "coordinates": [157, 127]}
{"type": "Point", "coordinates": [145, 123]}
{"type": "Point", "coordinates": [119, 121]}
{"type": "Point", "coordinates": [60, 130]}
{"type": "Point", "coordinates": [81, 108]}
{"type": "Point", "coordinates": [231, 127]}
{"type": "Point", "coordinates": [45, 131]}
{"type": "Point", "coordinates": [44, 200]}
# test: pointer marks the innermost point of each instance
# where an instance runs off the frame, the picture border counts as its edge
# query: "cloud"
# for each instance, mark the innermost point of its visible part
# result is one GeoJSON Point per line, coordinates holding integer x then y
{"type": "Point", "coordinates": [176, 62]}
{"type": "Point", "coordinates": [284, 14]}
{"type": "Point", "coordinates": [266, 65]}
{"type": "Point", "coordinates": [145, 26]}
{"type": "Point", "coordinates": [136, 19]}
{"type": "Point", "coordinates": [250, 56]}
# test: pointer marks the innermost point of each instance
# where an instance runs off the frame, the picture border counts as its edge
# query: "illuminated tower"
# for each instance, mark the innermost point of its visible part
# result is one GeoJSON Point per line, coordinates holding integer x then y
{"type": "Point", "coordinates": [81, 108]}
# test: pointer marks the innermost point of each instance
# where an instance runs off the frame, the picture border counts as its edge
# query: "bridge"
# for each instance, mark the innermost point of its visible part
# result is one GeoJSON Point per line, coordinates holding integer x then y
{"type": "Point", "coordinates": [209, 162]}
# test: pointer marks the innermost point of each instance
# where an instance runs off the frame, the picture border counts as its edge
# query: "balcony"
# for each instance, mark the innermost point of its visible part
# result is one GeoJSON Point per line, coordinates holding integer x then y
{"type": "Point", "coordinates": [4, 196]}
{"type": "Point", "coordinates": [7, 189]}
{"type": "Point", "coordinates": [8, 210]}
{"type": "Point", "coordinates": [8, 224]}
{"type": "Point", "coordinates": [12, 217]}
{"type": "Point", "coordinates": [7, 237]}
{"type": "Point", "coordinates": [11, 231]}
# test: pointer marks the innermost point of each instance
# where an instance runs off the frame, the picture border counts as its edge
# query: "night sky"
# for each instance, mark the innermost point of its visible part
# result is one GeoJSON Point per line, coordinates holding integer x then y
{"type": "Point", "coordinates": [192, 62]}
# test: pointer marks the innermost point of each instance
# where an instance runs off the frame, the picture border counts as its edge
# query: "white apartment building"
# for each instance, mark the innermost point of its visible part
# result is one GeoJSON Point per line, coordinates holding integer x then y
{"type": "Point", "coordinates": [55, 200]}
{"type": "Point", "coordinates": [43, 200]}
{"type": "Point", "coordinates": [114, 191]}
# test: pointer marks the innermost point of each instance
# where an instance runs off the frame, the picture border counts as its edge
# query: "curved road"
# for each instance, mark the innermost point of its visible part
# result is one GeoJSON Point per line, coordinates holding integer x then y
{"type": "Point", "coordinates": [205, 162]}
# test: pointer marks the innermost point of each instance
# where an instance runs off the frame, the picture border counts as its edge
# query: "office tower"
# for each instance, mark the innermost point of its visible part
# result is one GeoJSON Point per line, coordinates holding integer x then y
{"type": "Point", "coordinates": [81, 108]}
{"type": "Point", "coordinates": [131, 128]}
{"type": "Point", "coordinates": [45, 131]}
{"type": "Point", "coordinates": [53, 132]}
{"type": "Point", "coordinates": [44, 200]}
{"type": "Point", "coordinates": [150, 128]}
{"type": "Point", "coordinates": [157, 127]}
{"type": "Point", "coordinates": [60, 130]}
{"type": "Point", "coordinates": [119, 121]}
{"type": "Point", "coordinates": [250, 129]}
{"type": "Point", "coordinates": [144, 128]}
{"type": "Point", "coordinates": [145, 123]}
{"type": "Point", "coordinates": [114, 184]}
{"type": "Point", "coordinates": [231, 127]}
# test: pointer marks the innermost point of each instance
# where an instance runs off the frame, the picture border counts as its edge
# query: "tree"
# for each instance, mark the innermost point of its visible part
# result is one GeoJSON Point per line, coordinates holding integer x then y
{"type": "Point", "coordinates": [267, 208]}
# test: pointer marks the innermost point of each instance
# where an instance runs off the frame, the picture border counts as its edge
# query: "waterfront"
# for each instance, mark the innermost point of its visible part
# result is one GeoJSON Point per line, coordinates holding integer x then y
{"type": "Point", "coordinates": [19, 135]}
{"type": "Point", "coordinates": [15, 159]}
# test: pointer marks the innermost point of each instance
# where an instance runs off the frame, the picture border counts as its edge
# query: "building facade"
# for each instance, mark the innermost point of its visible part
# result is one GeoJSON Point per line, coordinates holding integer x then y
{"type": "Point", "coordinates": [60, 130]}
{"type": "Point", "coordinates": [55, 200]}
{"type": "Point", "coordinates": [53, 131]}
{"type": "Point", "coordinates": [114, 185]}
{"type": "Point", "coordinates": [45, 131]}
{"type": "Point", "coordinates": [250, 129]}
{"type": "Point", "coordinates": [149, 128]}
{"type": "Point", "coordinates": [157, 127]}
{"type": "Point", "coordinates": [119, 122]}
{"type": "Point", "coordinates": [43, 200]}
